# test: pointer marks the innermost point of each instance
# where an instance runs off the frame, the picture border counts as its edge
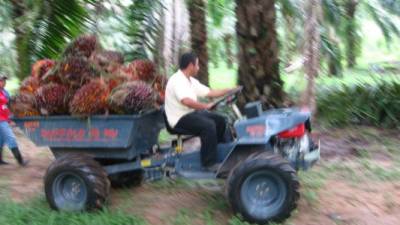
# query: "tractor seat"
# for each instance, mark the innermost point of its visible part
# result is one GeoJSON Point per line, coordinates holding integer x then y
{"type": "Point", "coordinates": [175, 131]}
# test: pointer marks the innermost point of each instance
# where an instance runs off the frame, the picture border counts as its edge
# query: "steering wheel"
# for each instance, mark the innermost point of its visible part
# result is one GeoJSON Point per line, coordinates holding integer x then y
{"type": "Point", "coordinates": [229, 98]}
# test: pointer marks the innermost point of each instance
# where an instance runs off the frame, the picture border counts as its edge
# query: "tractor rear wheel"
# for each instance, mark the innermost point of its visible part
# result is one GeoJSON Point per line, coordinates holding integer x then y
{"type": "Point", "coordinates": [263, 188]}
{"type": "Point", "coordinates": [76, 182]}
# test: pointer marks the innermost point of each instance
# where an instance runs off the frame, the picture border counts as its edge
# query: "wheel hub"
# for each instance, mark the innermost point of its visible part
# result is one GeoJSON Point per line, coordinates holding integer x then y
{"type": "Point", "coordinates": [262, 190]}
{"type": "Point", "coordinates": [69, 191]}
{"type": "Point", "coordinates": [263, 193]}
{"type": "Point", "coordinates": [72, 189]}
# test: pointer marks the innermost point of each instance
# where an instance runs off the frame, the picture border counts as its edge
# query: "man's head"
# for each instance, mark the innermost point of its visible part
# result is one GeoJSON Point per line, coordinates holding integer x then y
{"type": "Point", "coordinates": [3, 79]}
{"type": "Point", "coordinates": [189, 63]}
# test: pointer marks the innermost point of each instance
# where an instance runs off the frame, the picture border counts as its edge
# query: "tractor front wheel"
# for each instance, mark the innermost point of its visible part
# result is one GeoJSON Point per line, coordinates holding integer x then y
{"type": "Point", "coordinates": [76, 182]}
{"type": "Point", "coordinates": [263, 188]}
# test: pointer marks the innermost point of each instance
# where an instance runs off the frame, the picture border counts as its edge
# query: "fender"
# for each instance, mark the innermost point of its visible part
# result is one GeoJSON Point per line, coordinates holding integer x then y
{"type": "Point", "coordinates": [253, 135]}
{"type": "Point", "coordinates": [259, 130]}
{"type": "Point", "coordinates": [238, 153]}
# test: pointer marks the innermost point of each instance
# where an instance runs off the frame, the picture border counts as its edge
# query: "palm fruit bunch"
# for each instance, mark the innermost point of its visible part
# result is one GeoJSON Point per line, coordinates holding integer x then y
{"type": "Point", "coordinates": [90, 99]}
{"type": "Point", "coordinates": [117, 98]}
{"type": "Point", "coordinates": [52, 99]}
{"type": "Point", "coordinates": [29, 85]}
{"type": "Point", "coordinates": [88, 80]}
{"type": "Point", "coordinates": [116, 80]}
{"type": "Point", "coordinates": [76, 71]}
{"type": "Point", "coordinates": [141, 69]}
{"type": "Point", "coordinates": [108, 61]}
{"type": "Point", "coordinates": [132, 97]}
{"type": "Point", "coordinates": [159, 84]}
{"type": "Point", "coordinates": [24, 104]}
{"type": "Point", "coordinates": [41, 67]}
{"type": "Point", "coordinates": [82, 46]}
{"type": "Point", "coordinates": [140, 97]}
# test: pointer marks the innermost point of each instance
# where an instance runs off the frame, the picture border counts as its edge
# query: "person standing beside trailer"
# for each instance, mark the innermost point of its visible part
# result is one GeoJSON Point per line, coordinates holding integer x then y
{"type": "Point", "coordinates": [7, 136]}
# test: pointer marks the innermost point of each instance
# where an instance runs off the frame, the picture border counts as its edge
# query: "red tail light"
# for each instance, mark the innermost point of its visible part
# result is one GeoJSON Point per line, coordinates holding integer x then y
{"type": "Point", "coordinates": [297, 131]}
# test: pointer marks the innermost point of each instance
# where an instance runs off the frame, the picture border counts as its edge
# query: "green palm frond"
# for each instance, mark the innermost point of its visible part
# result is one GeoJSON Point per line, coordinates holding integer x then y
{"type": "Point", "coordinates": [217, 10]}
{"type": "Point", "coordinates": [5, 17]}
{"type": "Point", "coordinates": [382, 19]}
{"type": "Point", "coordinates": [291, 8]}
{"type": "Point", "coordinates": [143, 27]}
{"type": "Point", "coordinates": [331, 50]}
{"type": "Point", "coordinates": [392, 6]}
{"type": "Point", "coordinates": [332, 12]}
{"type": "Point", "coordinates": [59, 21]}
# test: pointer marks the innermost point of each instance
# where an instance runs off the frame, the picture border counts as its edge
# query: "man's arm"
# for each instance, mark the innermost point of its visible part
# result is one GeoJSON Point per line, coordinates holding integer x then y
{"type": "Point", "coordinates": [219, 92]}
{"type": "Point", "coordinates": [195, 104]}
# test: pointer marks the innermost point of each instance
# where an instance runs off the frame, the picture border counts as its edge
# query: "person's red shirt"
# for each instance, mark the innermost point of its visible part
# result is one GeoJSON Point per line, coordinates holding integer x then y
{"type": "Point", "coordinates": [4, 111]}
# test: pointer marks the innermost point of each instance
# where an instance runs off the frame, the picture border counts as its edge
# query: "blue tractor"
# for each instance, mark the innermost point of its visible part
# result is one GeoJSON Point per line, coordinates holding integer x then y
{"type": "Point", "coordinates": [259, 164]}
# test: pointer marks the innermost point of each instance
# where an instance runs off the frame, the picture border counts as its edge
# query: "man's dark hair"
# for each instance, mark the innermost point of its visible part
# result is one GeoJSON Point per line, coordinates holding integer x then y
{"type": "Point", "coordinates": [186, 59]}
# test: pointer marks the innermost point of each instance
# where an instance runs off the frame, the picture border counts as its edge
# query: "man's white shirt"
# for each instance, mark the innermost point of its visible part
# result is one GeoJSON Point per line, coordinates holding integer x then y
{"type": "Point", "coordinates": [178, 88]}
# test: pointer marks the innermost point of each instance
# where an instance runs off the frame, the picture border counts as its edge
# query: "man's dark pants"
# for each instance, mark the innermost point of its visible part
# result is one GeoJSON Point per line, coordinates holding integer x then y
{"type": "Point", "coordinates": [211, 129]}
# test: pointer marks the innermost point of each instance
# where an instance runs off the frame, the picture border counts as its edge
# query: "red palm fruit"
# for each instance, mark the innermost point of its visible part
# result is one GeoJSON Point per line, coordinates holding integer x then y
{"type": "Point", "coordinates": [23, 105]}
{"type": "Point", "coordinates": [90, 99]}
{"type": "Point", "coordinates": [41, 67]}
{"type": "Point", "coordinates": [141, 69]}
{"type": "Point", "coordinates": [83, 46]}
{"type": "Point", "coordinates": [52, 99]}
{"type": "Point", "coordinates": [76, 71]}
{"type": "Point", "coordinates": [51, 78]}
{"type": "Point", "coordinates": [107, 61]}
{"type": "Point", "coordinates": [116, 80]}
{"type": "Point", "coordinates": [117, 98]}
{"type": "Point", "coordinates": [140, 97]}
{"type": "Point", "coordinates": [29, 85]}
{"type": "Point", "coordinates": [159, 85]}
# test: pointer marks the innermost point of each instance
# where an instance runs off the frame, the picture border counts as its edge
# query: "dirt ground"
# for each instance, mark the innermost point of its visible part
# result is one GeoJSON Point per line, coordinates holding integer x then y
{"type": "Point", "coordinates": [338, 201]}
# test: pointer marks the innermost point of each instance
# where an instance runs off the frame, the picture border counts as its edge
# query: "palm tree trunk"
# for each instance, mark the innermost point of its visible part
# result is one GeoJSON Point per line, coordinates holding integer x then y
{"type": "Point", "coordinates": [198, 30]}
{"type": "Point", "coordinates": [312, 52]}
{"type": "Point", "coordinates": [258, 52]}
{"type": "Point", "coordinates": [350, 8]}
{"type": "Point", "coordinates": [21, 38]}
{"type": "Point", "coordinates": [160, 46]}
{"type": "Point", "coordinates": [173, 49]}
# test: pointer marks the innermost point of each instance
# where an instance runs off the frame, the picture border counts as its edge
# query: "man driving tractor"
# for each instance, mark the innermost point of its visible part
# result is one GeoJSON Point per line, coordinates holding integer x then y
{"type": "Point", "coordinates": [186, 113]}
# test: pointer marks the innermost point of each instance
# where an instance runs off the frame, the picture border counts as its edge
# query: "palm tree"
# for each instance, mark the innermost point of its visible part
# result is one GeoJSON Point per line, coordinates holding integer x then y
{"type": "Point", "coordinates": [221, 30]}
{"type": "Point", "coordinates": [198, 30]}
{"type": "Point", "coordinates": [43, 27]}
{"type": "Point", "coordinates": [144, 28]}
{"type": "Point", "coordinates": [350, 7]}
{"type": "Point", "coordinates": [258, 52]}
{"type": "Point", "coordinates": [312, 51]}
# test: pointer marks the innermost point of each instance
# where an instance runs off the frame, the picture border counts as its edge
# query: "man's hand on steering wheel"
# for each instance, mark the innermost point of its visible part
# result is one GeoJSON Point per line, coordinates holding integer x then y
{"type": "Point", "coordinates": [228, 98]}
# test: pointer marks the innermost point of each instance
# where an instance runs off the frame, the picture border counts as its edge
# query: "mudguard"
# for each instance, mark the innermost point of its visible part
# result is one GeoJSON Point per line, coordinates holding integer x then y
{"type": "Point", "coordinates": [259, 130]}
{"type": "Point", "coordinates": [254, 134]}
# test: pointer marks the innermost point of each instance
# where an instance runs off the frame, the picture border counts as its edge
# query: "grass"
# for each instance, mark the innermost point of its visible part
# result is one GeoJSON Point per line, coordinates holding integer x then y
{"type": "Point", "coordinates": [311, 182]}
{"type": "Point", "coordinates": [37, 212]}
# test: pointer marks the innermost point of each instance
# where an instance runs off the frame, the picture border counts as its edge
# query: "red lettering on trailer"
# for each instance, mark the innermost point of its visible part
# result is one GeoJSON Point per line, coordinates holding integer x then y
{"type": "Point", "coordinates": [79, 135]}
{"type": "Point", "coordinates": [94, 134]}
{"type": "Point", "coordinates": [31, 125]}
{"type": "Point", "coordinates": [110, 133]}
